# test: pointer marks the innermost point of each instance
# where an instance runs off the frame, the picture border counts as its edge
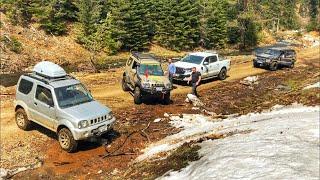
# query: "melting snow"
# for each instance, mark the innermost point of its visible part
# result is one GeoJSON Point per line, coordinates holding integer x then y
{"type": "Point", "coordinates": [316, 85]}
{"type": "Point", "coordinates": [284, 144]}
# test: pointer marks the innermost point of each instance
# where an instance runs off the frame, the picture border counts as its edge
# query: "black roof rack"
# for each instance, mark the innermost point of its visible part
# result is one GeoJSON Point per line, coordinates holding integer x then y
{"type": "Point", "coordinates": [46, 79]}
{"type": "Point", "coordinates": [140, 55]}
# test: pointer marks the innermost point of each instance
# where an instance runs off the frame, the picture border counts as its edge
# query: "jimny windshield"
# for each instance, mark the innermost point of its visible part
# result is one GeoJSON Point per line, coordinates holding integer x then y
{"type": "Point", "coordinates": [72, 95]}
{"type": "Point", "coordinates": [150, 69]}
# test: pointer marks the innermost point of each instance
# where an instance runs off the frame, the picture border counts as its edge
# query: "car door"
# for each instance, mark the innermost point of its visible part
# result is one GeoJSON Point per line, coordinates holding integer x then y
{"type": "Point", "coordinates": [215, 66]}
{"type": "Point", "coordinates": [44, 106]}
{"type": "Point", "coordinates": [128, 69]}
{"type": "Point", "coordinates": [288, 58]}
{"type": "Point", "coordinates": [205, 69]}
{"type": "Point", "coordinates": [133, 72]}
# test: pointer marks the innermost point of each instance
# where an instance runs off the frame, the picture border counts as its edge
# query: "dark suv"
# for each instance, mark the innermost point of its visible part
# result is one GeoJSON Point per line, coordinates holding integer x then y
{"type": "Point", "coordinates": [275, 58]}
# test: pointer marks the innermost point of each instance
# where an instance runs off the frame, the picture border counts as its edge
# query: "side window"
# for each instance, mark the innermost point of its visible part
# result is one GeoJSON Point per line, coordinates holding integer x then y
{"type": "Point", "coordinates": [206, 60]}
{"type": "Point", "coordinates": [44, 95]}
{"type": "Point", "coordinates": [134, 65]}
{"type": "Point", "coordinates": [129, 61]}
{"type": "Point", "coordinates": [290, 54]}
{"type": "Point", "coordinates": [25, 86]}
{"type": "Point", "coordinates": [213, 59]}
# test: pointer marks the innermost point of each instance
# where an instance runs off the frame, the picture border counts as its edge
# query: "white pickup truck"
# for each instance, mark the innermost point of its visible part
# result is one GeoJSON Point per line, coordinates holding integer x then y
{"type": "Point", "coordinates": [209, 64]}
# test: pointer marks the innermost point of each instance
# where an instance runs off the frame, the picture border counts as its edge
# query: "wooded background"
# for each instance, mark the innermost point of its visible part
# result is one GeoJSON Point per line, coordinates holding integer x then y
{"type": "Point", "coordinates": [123, 25]}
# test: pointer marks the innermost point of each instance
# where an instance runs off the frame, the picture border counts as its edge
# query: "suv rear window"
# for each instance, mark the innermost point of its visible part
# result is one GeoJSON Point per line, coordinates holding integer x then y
{"type": "Point", "coordinates": [25, 86]}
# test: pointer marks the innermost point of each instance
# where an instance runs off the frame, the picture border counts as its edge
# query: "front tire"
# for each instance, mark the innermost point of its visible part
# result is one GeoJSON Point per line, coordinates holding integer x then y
{"type": "Point", "coordinates": [137, 96]}
{"type": "Point", "coordinates": [22, 120]}
{"type": "Point", "coordinates": [66, 140]}
{"type": "Point", "coordinates": [166, 99]}
{"type": "Point", "coordinates": [291, 65]}
{"type": "Point", "coordinates": [124, 84]}
{"type": "Point", "coordinates": [223, 74]}
{"type": "Point", "coordinates": [273, 66]}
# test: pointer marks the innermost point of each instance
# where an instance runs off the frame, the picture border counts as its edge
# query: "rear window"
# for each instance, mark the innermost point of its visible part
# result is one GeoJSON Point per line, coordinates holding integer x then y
{"type": "Point", "coordinates": [25, 86]}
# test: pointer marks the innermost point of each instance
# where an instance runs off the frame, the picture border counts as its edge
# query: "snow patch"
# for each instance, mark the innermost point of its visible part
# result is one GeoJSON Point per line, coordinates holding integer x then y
{"type": "Point", "coordinates": [315, 85]}
{"type": "Point", "coordinates": [284, 145]}
{"type": "Point", "coordinates": [196, 126]}
{"type": "Point", "coordinates": [158, 120]}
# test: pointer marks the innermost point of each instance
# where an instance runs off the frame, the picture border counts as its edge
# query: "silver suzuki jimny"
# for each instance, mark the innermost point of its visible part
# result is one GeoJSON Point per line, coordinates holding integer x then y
{"type": "Point", "coordinates": [59, 102]}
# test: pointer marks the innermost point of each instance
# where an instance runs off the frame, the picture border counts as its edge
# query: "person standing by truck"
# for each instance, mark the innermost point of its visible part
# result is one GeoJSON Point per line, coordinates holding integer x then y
{"type": "Point", "coordinates": [171, 69]}
{"type": "Point", "coordinates": [195, 79]}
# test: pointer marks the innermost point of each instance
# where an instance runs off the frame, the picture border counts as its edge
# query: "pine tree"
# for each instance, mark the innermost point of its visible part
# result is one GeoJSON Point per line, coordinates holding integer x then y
{"type": "Point", "coordinates": [88, 16]}
{"type": "Point", "coordinates": [127, 26]}
{"type": "Point", "coordinates": [314, 16]}
{"type": "Point", "coordinates": [289, 19]}
{"type": "Point", "coordinates": [178, 26]}
{"type": "Point", "coordinates": [213, 23]}
{"type": "Point", "coordinates": [20, 12]}
{"type": "Point", "coordinates": [248, 26]}
{"type": "Point", "coordinates": [54, 15]}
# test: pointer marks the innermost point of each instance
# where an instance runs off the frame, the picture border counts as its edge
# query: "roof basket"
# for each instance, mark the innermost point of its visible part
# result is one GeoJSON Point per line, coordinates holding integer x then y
{"type": "Point", "coordinates": [141, 55]}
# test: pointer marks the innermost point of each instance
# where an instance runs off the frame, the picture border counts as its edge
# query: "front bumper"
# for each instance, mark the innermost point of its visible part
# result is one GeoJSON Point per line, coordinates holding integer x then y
{"type": "Point", "coordinates": [95, 130]}
{"type": "Point", "coordinates": [155, 91]}
{"type": "Point", "coordinates": [260, 63]}
{"type": "Point", "coordinates": [181, 77]}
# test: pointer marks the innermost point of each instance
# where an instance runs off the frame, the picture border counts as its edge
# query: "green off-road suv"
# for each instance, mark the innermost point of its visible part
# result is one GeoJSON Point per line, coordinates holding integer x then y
{"type": "Point", "coordinates": [144, 76]}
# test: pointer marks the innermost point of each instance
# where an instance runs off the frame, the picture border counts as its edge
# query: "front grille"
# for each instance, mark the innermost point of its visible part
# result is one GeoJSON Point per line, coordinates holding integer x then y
{"type": "Point", "coordinates": [98, 120]}
{"type": "Point", "coordinates": [157, 85]}
{"type": "Point", "coordinates": [179, 70]}
{"type": "Point", "coordinates": [261, 59]}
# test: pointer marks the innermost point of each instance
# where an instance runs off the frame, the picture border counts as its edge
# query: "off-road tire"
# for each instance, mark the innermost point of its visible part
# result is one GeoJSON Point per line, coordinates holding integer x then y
{"type": "Point", "coordinates": [273, 66]}
{"type": "Point", "coordinates": [222, 74]}
{"type": "Point", "coordinates": [137, 95]}
{"type": "Point", "coordinates": [255, 65]}
{"type": "Point", "coordinates": [166, 99]}
{"type": "Point", "coordinates": [66, 140]}
{"type": "Point", "coordinates": [124, 84]}
{"type": "Point", "coordinates": [22, 120]}
{"type": "Point", "coordinates": [291, 65]}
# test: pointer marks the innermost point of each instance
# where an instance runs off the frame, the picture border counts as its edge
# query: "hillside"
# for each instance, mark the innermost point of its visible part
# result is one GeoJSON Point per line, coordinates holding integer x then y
{"type": "Point", "coordinates": [36, 46]}
{"type": "Point", "coordinates": [21, 48]}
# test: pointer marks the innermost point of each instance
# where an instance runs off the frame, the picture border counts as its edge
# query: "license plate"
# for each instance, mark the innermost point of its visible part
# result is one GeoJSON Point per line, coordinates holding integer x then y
{"type": "Point", "coordinates": [158, 88]}
{"type": "Point", "coordinates": [102, 128]}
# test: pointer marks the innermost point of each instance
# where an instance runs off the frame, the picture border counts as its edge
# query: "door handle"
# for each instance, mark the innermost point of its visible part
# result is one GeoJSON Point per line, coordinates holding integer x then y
{"type": "Point", "coordinates": [35, 103]}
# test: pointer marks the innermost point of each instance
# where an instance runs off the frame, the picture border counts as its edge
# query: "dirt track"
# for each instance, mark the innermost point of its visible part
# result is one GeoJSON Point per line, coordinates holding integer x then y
{"type": "Point", "coordinates": [87, 162]}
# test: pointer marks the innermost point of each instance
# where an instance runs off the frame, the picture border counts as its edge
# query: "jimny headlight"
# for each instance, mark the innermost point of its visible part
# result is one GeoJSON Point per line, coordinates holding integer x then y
{"type": "Point", "coordinates": [146, 85]}
{"type": "Point", "coordinates": [83, 124]}
{"type": "Point", "coordinates": [110, 116]}
{"type": "Point", "coordinates": [168, 86]}
{"type": "Point", "coordinates": [268, 60]}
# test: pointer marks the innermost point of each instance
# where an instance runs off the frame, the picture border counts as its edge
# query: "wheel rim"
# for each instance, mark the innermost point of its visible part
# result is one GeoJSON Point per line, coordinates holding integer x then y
{"type": "Point", "coordinates": [20, 119]}
{"type": "Point", "coordinates": [137, 92]}
{"type": "Point", "coordinates": [223, 75]}
{"type": "Point", "coordinates": [64, 140]}
{"type": "Point", "coordinates": [123, 86]}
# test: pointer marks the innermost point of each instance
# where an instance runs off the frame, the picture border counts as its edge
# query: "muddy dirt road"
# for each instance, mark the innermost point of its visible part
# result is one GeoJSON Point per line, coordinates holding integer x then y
{"type": "Point", "coordinates": [110, 156]}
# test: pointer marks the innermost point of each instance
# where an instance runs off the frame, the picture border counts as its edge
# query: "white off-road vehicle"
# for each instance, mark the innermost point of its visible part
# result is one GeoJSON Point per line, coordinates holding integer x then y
{"type": "Point", "coordinates": [59, 102]}
{"type": "Point", "coordinates": [209, 64]}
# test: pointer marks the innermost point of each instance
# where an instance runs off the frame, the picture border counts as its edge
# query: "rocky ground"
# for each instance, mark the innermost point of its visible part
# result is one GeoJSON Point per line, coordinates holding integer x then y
{"type": "Point", "coordinates": [113, 155]}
